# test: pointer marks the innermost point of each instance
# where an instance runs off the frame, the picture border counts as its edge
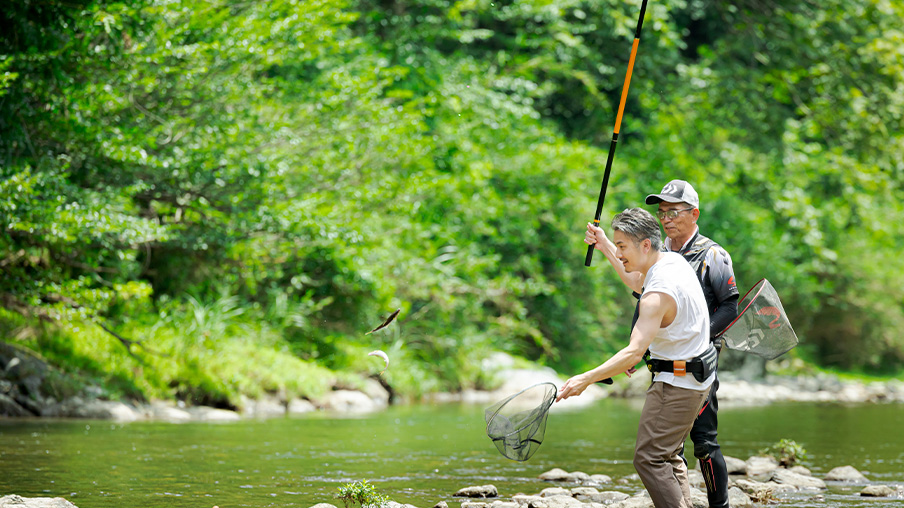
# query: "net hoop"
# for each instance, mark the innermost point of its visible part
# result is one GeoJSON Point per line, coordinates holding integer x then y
{"type": "Point", "coordinates": [756, 334]}
{"type": "Point", "coordinates": [759, 288]}
{"type": "Point", "coordinates": [545, 407]}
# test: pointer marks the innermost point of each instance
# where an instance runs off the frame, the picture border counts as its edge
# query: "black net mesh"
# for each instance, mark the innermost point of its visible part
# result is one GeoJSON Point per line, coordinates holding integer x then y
{"type": "Point", "coordinates": [517, 424]}
{"type": "Point", "coordinates": [762, 327]}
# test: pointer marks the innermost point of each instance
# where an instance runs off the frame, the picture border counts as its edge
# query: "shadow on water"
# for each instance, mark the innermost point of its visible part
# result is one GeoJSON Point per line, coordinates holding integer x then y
{"type": "Point", "coordinates": [415, 454]}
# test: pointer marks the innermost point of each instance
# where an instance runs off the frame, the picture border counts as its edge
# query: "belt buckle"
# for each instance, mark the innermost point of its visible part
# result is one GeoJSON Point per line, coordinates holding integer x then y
{"type": "Point", "coordinates": [679, 367]}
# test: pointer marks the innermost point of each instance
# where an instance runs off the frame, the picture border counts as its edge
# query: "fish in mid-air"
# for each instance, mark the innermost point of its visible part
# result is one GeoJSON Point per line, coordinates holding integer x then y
{"type": "Point", "coordinates": [385, 323]}
{"type": "Point", "coordinates": [382, 355]}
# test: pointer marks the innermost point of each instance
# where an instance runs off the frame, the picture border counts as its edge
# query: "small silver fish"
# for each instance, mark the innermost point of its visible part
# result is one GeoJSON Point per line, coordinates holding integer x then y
{"type": "Point", "coordinates": [385, 323]}
{"type": "Point", "coordinates": [382, 355]}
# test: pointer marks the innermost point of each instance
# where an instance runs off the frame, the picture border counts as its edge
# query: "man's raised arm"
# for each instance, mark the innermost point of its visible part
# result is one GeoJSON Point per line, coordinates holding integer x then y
{"type": "Point", "coordinates": [597, 237]}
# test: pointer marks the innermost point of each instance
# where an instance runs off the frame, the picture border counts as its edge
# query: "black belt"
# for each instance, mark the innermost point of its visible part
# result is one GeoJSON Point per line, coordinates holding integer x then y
{"type": "Point", "coordinates": [701, 367]}
{"type": "Point", "coordinates": [678, 367]}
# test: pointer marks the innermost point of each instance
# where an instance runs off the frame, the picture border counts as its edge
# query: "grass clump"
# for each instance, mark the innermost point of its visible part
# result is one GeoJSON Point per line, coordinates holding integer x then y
{"type": "Point", "coordinates": [787, 452]}
{"type": "Point", "coordinates": [362, 494]}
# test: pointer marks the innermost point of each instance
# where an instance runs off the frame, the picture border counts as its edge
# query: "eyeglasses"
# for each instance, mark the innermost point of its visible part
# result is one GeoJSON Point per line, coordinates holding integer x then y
{"type": "Point", "coordinates": [671, 214]}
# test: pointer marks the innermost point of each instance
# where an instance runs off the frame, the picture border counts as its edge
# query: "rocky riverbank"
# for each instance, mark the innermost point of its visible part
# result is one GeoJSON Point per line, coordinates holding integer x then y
{"type": "Point", "coordinates": [758, 480]}
{"type": "Point", "coordinates": [23, 379]}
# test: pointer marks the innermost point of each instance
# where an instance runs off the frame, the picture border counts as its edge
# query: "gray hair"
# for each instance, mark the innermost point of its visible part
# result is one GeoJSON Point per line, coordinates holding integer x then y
{"type": "Point", "coordinates": [639, 225]}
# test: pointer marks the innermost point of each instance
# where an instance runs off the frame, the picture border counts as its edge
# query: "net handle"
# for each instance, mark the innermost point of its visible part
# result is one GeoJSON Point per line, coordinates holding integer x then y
{"type": "Point", "coordinates": [509, 399]}
{"type": "Point", "coordinates": [755, 286]}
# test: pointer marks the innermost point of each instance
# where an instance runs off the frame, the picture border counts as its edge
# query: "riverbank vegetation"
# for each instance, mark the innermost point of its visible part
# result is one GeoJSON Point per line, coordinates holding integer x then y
{"type": "Point", "coordinates": [214, 199]}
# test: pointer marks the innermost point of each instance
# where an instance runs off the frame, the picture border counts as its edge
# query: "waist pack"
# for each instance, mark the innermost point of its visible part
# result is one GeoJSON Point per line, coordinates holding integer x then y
{"type": "Point", "coordinates": [701, 367]}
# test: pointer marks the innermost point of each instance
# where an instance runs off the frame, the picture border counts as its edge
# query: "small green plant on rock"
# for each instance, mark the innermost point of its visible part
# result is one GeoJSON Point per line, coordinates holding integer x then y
{"type": "Point", "coordinates": [786, 452]}
{"type": "Point", "coordinates": [362, 493]}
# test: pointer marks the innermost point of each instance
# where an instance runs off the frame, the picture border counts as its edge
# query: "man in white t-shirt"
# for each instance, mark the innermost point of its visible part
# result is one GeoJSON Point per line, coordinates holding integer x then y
{"type": "Point", "coordinates": [673, 324]}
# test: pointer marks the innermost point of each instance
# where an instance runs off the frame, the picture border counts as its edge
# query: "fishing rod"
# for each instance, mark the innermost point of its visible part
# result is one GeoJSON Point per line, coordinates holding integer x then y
{"type": "Point", "coordinates": [618, 119]}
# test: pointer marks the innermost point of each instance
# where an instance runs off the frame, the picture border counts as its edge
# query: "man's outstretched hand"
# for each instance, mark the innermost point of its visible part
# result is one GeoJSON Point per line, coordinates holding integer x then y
{"type": "Point", "coordinates": [573, 387]}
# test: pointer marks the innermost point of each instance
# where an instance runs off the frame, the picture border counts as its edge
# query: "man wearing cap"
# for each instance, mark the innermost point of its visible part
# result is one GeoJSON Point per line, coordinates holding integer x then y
{"type": "Point", "coordinates": [678, 211]}
{"type": "Point", "coordinates": [673, 325]}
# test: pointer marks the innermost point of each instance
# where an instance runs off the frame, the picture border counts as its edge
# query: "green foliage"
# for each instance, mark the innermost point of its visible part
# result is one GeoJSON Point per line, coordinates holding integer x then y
{"type": "Point", "coordinates": [269, 178]}
{"type": "Point", "coordinates": [787, 452]}
{"type": "Point", "coordinates": [364, 494]}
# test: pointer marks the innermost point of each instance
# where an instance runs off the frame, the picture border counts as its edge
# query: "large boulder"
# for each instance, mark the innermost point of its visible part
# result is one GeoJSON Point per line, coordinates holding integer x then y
{"type": "Point", "coordinates": [514, 379]}
{"type": "Point", "coordinates": [349, 401]}
{"type": "Point", "coordinates": [300, 406]}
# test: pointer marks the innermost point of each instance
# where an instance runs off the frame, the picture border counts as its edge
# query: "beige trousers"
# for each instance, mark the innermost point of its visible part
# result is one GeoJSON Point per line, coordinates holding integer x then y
{"type": "Point", "coordinates": [665, 422]}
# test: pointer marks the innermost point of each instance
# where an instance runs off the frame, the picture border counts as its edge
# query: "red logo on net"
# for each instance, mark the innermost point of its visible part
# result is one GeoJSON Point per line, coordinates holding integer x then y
{"type": "Point", "coordinates": [771, 311]}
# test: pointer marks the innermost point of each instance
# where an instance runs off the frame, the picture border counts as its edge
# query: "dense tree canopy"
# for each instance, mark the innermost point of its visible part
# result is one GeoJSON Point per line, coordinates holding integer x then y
{"type": "Point", "coordinates": [281, 174]}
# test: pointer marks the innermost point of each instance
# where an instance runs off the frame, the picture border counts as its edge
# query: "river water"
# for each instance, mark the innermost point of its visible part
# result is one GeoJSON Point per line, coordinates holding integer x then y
{"type": "Point", "coordinates": [414, 454]}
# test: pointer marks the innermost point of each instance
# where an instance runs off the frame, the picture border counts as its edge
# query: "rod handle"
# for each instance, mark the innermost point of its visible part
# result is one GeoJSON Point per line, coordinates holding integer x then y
{"type": "Point", "coordinates": [589, 257]}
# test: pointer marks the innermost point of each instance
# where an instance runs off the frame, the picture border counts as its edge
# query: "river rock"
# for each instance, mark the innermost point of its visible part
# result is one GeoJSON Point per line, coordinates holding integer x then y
{"type": "Point", "coordinates": [167, 411]}
{"type": "Point", "coordinates": [785, 477]}
{"type": "Point", "coordinates": [393, 504]}
{"type": "Point", "coordinates": [212, 414]}
{"type": "Point", "coordinates": [264, 407]}
{"type": "Point", "coordinates": [555, 491]}
{"type": "Point", "coordinates": [695, 478]}
{"type": "Point", "coordinates": [584, 491]}
{"type": "Point", "coordinates": [761, 468]}
{"type": "Point", "coordinates": [631, 478]}
{"type": "Point", "coordinates": [560, 502]}
{"type": "Point", "coordinates": [300, 406]}
{"type": "Point", "coordinates": [734, 465]}
{"type": "Point", "coordinates": [348, 401]}
{"type": "Point", "coordinates": [554, 475]}
{"type": "Point", "coordinates": [478, 491]}
{"type": "Point", "coordinates": [641, 500]}
{"type": "Point", "coordinates": [527, 501]}
{"type": "Point", "coordinates": [14, 501]}
{"type": "Point", "coordinates": [738, 499]}
{"type": "Point", "coordinates": [870, 491]}
{"type": "Point", "coordinates": [105, 410]}
{"type": "Point", "coordinates": [599, 479]}
{"type": "Point", "coordinates": [513, 380]}
{"type": "Point", "coordinates": [607, 497]}
{"type": "Point", "coordinates": [761, 492]}
{"type": "Point", "coordinates": [560, 475]}
{"type": "Point", "coordinates": [9, 407]}
{"type": "Point", "coordinates": [323, 505]}
{"type": "Point", "coordinates": [845, 474]}
{"type": "Point", "coordinates": [441, 504]}
{"type": "Point", "coordinates": [699, 499]}
{"type": "Point", "coordinates": [800, 470]}
{"type": "Point", "coordinates": [504, 504]}
{"type": "Point", "coordinates": [377, 393]}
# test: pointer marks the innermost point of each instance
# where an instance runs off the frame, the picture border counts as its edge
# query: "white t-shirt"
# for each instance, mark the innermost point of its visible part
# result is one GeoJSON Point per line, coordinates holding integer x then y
{"type": "Point", "coordinates": [688, 334]}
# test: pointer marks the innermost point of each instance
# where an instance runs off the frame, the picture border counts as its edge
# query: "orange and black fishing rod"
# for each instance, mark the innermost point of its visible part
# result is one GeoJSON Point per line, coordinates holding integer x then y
{"type": "Point", "coordinates": [618, 119]}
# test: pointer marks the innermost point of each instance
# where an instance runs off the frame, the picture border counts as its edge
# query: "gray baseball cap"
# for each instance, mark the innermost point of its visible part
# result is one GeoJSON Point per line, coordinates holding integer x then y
{"type": "Point", "coordinates": [676, 191]}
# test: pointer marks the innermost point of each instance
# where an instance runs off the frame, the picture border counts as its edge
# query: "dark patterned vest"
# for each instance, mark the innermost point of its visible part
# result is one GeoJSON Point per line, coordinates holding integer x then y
{"type": "Point", "coordinates": [695, 254]}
